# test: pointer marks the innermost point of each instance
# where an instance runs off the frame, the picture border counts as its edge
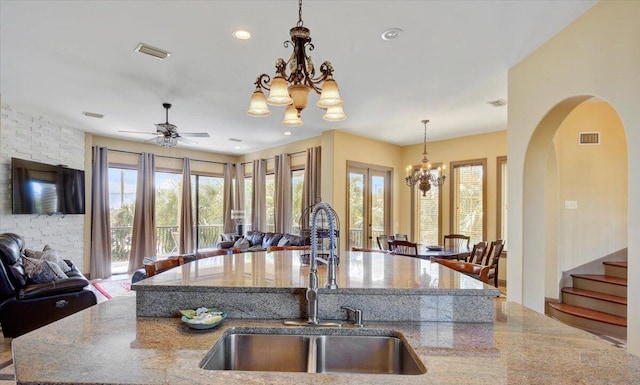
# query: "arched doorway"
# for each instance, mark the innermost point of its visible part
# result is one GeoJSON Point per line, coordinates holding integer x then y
{"type": "Point", "coordinates": [581, 189]}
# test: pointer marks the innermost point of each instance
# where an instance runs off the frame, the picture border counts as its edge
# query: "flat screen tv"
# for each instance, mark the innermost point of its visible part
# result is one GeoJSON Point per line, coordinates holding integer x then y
{"type": "Point", "coordinates": [40, 188]}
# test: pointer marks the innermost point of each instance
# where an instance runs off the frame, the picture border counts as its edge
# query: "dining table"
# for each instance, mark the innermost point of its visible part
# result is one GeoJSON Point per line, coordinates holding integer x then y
{"type": "Point", "coordinates": [443, 252]}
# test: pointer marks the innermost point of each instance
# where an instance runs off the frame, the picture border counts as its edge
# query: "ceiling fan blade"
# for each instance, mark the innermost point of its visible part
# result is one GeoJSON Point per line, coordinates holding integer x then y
{"type": "Point", "coordinates": [139, 132]}
{"type": "Point", "coordinates": [195, 134]}
{"type": "Point", "coordinates": [180, 138]}
{"type": "Point", "coordinates": [153, 139]}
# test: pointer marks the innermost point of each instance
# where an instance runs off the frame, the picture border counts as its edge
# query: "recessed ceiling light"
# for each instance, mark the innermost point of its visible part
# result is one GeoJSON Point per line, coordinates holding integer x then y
{"type": "Point", "coordinates": [498, 103]}
{"type": "Point", "coordinates": [287, 133]}
{"type": "Point", "coordinates": [237, 147]}
{"type": "Point", "coordinates": [158, 53]}
{"type": "Point", "coordinates": [93, 115]}
{"type": "Point", "coordinates": [242, 34]}
{"type": "Point", "coordinates": [391, 33]}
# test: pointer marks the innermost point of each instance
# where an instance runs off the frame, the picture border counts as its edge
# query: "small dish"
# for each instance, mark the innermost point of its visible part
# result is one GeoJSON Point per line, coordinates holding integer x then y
{"type": "Point", "coordinates": [209, 319]}
{"type": "Point", "coordinates": [435, 248]}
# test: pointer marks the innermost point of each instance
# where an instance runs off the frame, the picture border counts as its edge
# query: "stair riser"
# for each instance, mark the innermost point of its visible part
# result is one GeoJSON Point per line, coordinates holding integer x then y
{"type": "Point", "coordinates": [602, 287]}
{"type": "Point", "coordinates": [615, 271]}
{"type": "Point", "coordinates": [595, 326]}
{"type": "Point", "coordinates": [595, 304]}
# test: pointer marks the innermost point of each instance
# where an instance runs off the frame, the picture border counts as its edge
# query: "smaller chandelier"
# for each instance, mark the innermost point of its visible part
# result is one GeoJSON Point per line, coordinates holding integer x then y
{"type": "Point", "coordinates": [423, 177]}
{"type": "Point", "coordinates": [291, 90]}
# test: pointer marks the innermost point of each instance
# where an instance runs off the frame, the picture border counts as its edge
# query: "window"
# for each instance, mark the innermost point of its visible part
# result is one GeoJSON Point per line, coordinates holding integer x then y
{"type": "Point", "coordinates": [428, 221]}
{"type": "Point", "coordinates": [297, 179]}
{"type": "Point", "coordinates": [468, 198]}
{"type": "Point", "coordinates": [270, 193]}
{"type": "Point", "coordinates": [248, 194]}
{"type": "Point", "coordinates": [208, 209]}
{"type": "Point", "coordinates": [167, 186]}
{"type": "Point", "coordinates": [501, 231]}
{"type": "Point", "coordinates": [122, 201]}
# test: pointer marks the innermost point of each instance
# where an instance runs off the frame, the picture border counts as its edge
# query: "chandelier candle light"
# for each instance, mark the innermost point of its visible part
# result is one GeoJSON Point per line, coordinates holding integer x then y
{"type": "Point", "coordinates": [423, 176]}
{"type": "Point", "coordinates": [292, 90]}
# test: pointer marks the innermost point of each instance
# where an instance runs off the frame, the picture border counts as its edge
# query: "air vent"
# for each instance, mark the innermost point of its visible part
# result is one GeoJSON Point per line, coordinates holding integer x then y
{"type": "Point", "coordinates": [235, 140]}
{"type": "Point", "coordinates": [93, 115]}
{"type": "Point", "coordinates": [588, 138]}
{"type": "Point", "coordinates": [152, 51]}
{"type": "Point", "coordinates": [498, 103]}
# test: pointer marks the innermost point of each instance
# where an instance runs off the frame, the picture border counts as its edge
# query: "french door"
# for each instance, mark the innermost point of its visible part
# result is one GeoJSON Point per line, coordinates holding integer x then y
{"type": "Point", "coordinates": [369, 204]}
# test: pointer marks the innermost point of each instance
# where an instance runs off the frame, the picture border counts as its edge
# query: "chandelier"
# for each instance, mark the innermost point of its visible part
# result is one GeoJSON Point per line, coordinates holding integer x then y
{"type": "Point", "coordinates": [423, 176]}
{"type": "Point", "coordinates": [292, 89]}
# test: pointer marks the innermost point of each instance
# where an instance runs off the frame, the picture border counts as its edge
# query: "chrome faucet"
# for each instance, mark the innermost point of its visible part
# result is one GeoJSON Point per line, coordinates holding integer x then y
{"type": "Point", "coordinates": [312, 289]}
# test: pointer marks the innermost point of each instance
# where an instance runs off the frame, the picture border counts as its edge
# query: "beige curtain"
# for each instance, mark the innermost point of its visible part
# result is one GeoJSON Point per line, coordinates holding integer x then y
{"type": "Point", "coordinates": [100, 258]}
{"type": "Point", "coordinates": [311, 184]}
{"type": "Point", "coordinates": [238, 196]}
{"type": "Point", "coordinates": [258, 200]}
{"type": "Point", "coordinates": [185, 222]}
{"type": "Point", "coordinates": [229, 223]}
{"type": "Point", "coordinates": [283, 194]}
{"type": "Point", "coordinates": [143, 240]}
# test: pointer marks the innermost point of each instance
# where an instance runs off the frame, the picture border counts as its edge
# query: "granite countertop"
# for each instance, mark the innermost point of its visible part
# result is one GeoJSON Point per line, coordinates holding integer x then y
{"type": "Point", "coordinates": [108, 344]}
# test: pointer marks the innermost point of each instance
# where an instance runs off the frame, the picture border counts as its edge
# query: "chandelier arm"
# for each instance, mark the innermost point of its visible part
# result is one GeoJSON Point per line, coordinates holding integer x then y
{"type": "Point", "coordinates": [263, 81]}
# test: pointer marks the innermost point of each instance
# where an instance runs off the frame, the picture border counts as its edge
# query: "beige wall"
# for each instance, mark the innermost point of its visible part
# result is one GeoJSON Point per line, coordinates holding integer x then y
{"type": "Point", "coordinates": [597, 55]}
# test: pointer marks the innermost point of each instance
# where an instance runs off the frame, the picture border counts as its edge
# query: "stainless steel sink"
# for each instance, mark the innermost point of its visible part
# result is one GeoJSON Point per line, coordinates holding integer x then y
{"type": "Point", "coordinates": [313, 354]}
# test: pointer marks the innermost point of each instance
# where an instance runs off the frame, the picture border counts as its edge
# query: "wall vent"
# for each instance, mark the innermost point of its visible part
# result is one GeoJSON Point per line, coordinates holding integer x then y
{"type": "Point", "coordinates": [588, 138]}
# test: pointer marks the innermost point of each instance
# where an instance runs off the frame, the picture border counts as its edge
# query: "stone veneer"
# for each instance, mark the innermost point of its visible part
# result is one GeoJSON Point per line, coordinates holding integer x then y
{"type": "Point", "coordinates": [35, 138]}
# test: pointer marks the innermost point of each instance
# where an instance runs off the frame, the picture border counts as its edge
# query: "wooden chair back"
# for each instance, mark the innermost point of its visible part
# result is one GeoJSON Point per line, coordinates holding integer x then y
{"type": "Point", "coordinates": [155, 267]}
{"type": "Point", "coordinates": [493, 257]}
{"type": "Point", "coordinates": [456, 241]}
{"type": "Point", "coordinates": [383, 241]}
{"type": "Point", "coordinates": [478, 253]}
{"type": "Point", "coordinates": [403, 247]}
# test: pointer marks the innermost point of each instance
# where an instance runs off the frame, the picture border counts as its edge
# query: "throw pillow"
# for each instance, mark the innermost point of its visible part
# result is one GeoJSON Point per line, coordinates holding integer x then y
{"type": "Point", "coordinates": [242, 244]}
{"type": "Point", "coordinates": [48, 254]}
{"type": "Point", "coordinates": [284, 241]}
{"type": "Point", "coordinates": [41, 271]}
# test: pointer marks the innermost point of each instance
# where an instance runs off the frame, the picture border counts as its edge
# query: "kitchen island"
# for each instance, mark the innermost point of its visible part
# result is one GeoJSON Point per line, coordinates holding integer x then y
{"type": "Point", "coordinates": [109, 344]}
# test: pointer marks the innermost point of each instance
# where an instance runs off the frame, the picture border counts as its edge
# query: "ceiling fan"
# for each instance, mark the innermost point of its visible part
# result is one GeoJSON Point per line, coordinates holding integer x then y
{"type": "Point", "coordinates": [167, 134]}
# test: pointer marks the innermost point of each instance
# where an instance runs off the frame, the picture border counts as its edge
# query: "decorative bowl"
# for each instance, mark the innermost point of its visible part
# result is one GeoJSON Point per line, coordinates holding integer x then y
{"type": "Point", "coordinates": [209, 319]}
{"type": "Point", "coordinates": [435, 248]}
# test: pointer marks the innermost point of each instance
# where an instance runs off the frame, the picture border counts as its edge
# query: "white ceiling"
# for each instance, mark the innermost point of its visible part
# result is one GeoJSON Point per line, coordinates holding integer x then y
{"type": "Point", "coordinates": [60, 58]}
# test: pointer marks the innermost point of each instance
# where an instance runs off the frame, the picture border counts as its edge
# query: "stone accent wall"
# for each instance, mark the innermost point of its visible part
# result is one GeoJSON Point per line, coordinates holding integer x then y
{"type": "Point", "coordinates": [34, 137]}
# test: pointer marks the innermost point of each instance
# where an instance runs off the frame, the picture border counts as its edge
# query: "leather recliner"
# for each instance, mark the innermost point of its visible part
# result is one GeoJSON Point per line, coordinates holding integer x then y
{"type": "Point", "coordinates": [24, 305]}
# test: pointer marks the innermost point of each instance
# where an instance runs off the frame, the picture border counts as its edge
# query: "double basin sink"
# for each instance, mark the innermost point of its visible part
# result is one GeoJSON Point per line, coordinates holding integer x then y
{"type": "Point", "coordinates": [313, 354]}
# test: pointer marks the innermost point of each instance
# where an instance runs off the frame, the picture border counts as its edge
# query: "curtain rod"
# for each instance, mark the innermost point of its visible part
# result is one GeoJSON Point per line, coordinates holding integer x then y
{"type": "Point", "coordinates": [166, 156]}
{"type": "Point", "coordinates": [197, 160]}
{"type": "Point", "coordinates": [293, 153]}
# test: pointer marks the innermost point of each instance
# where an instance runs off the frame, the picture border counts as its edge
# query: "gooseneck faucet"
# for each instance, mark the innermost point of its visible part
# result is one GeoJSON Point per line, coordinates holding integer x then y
{"type": "Point", "coordinates": [312, 289]}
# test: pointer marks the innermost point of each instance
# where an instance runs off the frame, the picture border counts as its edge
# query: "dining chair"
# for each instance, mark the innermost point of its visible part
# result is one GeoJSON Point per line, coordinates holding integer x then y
{"type": "Point", "coordinates": [477, 253]}
{"type": "Point", "coordinates": [383, 241]}
{"type": "Point", "coordinates": [403, 247]}
{"type": "Point", "coordinates": [456, 241]}
{"type": "Point", "coordinates": [493, 257]}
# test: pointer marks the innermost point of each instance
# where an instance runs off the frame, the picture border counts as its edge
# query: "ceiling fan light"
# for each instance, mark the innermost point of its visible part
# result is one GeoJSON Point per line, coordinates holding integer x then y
{"type": "Point", "coordinates": [258, 106]}
{"type": "Point", "coordinates": [299, 94]}
{"type": "Point", "coordinates": [167, 141]}
{"type": "Point", "coordinates": [291, 117]}
{"type": "Point", "coordinates": [330, 96]}
{"type": "Point", "coordinates": [334, 114]}
{"type": "Point", "coordinates": [279, 94]}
